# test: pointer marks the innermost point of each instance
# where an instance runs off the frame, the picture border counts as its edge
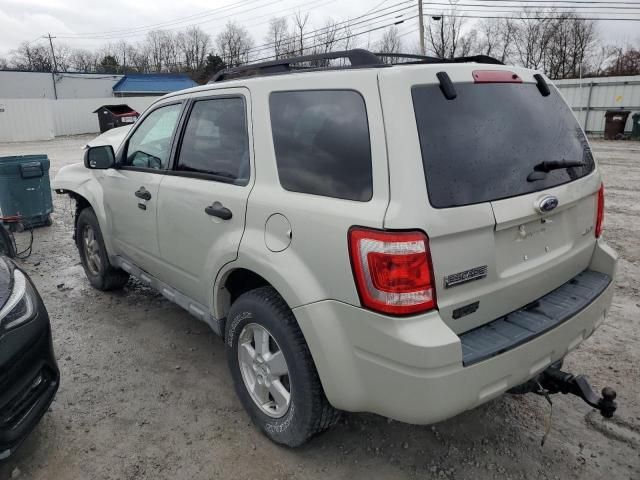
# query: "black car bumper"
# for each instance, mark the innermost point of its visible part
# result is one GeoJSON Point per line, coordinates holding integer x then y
{"type": "Point", "coordinates": [29, 378]}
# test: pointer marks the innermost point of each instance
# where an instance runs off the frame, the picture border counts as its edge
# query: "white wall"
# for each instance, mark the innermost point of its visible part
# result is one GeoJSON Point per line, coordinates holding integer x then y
{"type": "Point", "coordinates": [68, 85]}
{"type": "Point", "coordinates": [43, 119]}
{"type": "Point", "coordinates": [607, 93]}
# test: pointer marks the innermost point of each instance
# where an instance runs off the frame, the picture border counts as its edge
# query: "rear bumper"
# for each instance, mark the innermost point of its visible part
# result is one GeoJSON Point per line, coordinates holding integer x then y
{"type": "Point", "coordinates": [29, 379]}
{"type": "Point", "coordinates": [411, 369]}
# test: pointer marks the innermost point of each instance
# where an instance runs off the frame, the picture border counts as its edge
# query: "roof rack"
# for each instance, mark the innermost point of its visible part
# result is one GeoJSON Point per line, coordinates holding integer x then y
{"type": "Point", "coordinates": [358, 58]}
{"type": "Point", "coordinates": [427, 59]}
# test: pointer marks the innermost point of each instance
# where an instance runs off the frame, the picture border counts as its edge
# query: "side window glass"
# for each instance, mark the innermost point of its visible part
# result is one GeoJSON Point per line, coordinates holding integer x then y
{"type": "Point", "coordinates": [215, 140]}
{"type": "Point", "coordinates": [150, 144]}
{"type": "Point", "coordinates": [321, 140]}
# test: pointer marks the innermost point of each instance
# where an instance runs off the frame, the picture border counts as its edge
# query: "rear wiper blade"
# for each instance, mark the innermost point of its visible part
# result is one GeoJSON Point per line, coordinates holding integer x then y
{"type": "Point", "coordinates": [549, 165]}
{"type": "Point", "coordinates": [541, 169]}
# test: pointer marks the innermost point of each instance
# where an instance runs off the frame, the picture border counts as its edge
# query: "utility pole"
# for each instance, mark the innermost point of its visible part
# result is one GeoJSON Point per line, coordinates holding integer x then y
{"type": "Point", "coordinates": [421, 28]}
{"type": "Point", "coordinates": [55, 66]}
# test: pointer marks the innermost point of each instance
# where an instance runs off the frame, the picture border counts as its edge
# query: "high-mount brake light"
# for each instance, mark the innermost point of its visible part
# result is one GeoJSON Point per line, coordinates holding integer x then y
{"type": "Point", "coordinates": [495, 76]}
{"type": "Point", "coordinates": [392, 270]}
{"type": "Point", "coordinates": [600, 214]}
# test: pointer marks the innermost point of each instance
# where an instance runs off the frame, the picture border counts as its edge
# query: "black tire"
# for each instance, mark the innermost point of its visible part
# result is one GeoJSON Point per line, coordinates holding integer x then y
{"type": "Point", "coordinates": [103, 276]}
{"type": "Point", "coordinates": [309, 411]}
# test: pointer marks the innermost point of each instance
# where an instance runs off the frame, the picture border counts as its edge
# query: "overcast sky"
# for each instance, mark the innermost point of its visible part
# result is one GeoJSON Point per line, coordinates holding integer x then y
{"type": "Point", "coordinates": [84, 20]}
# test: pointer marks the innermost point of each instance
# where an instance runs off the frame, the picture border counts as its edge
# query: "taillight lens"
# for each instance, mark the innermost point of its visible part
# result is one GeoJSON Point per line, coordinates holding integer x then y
{"type": "Point", "coordinates": [392, 270]}
{"type": "Point", "coordinates": [600, 215]}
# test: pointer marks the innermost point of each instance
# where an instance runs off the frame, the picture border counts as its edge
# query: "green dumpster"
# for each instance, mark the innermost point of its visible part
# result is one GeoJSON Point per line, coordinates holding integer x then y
{"type": "Point", "coordinates": [25, 191]}
{"type": "Point", "coordinates": [635, 132]}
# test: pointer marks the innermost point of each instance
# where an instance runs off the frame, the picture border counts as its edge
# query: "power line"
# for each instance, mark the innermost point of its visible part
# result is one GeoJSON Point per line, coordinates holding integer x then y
{"type": "Point", "coordinates": [589, 2]}
{"type": "Point", "coordinates": [168, 22]}
{"type": "Point", "coordinates": [346, 37]}
{"type": "Point", "coordinates": [537, 17]}
{"type": "Point", "coordinates": [141, 33]}
{"type": "Point", "coordinates": [346, 24]}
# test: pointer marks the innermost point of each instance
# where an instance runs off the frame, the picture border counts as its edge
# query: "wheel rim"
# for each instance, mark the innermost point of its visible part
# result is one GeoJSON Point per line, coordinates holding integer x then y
{"type": "Point", "coordinates": [264, 370]}
{"type": "Point", "coordinates": [91, 250]}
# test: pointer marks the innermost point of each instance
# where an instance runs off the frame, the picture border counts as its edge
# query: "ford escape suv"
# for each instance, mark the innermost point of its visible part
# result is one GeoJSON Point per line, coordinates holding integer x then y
{"type": "Point", "coordinates": [410, 240]}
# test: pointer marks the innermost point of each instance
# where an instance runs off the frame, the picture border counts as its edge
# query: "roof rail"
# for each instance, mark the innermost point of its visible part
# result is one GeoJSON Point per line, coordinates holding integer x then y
{"type": "Point", "coordinates": [427, 59]}
{"type": "Point", "coordinates": [357, 57]}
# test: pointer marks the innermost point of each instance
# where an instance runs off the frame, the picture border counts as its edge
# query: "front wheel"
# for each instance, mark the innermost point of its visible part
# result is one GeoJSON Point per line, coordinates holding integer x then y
{"type": "Point", "coordinates": [272, 369]}
{"type": "Point", "coordinates": [93, 254]}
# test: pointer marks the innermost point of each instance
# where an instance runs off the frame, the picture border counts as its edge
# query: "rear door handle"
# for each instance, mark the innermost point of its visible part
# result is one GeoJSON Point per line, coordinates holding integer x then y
{"type": "Point", "coordinates": [143, 193]}
{"type": "Point", "coordinates": [219, 210]}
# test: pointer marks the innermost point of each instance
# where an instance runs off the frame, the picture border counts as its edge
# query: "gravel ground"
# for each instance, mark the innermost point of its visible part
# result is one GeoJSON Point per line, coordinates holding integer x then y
{"type": "Point", "coordinates": [145, 390]}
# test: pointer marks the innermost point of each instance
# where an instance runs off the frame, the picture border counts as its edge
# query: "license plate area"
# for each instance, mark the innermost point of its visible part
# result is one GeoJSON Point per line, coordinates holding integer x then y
{"type": "Point", "coordinates": [528, 244]}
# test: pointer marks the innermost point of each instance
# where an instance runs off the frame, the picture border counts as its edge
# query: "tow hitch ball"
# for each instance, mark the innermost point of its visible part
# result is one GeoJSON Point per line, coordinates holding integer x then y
{"type": "Point", "coordinates": [553, 380]}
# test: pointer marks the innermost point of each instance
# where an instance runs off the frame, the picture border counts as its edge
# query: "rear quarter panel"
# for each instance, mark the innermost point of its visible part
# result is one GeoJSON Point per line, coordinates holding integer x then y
{"type": "Point", "coordinates": [316, 264]}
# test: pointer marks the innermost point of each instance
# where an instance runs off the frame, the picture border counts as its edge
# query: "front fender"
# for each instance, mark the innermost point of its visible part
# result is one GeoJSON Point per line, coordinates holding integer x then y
{"type": "Point", "coordinates": [78, 180]}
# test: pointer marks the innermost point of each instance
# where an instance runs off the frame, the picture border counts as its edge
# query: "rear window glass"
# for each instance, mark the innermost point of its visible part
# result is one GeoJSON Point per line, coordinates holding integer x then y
{"type": "Point", "coordinates": [482, 145]}
{"type": "Point", "coordinates": [321, 140]}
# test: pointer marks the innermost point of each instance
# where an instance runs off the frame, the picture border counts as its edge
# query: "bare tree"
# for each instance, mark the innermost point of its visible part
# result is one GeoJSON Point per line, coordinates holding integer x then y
{"type": "Point", "coordinates": [534, 33]}
{"type": "Point", "coordinates": [624, 61]}
{"type": "Point", "coordinates": [35, 58]}
{"type": "Point", "coordinates": [277, 36]}
{"type": "Point", "coordinates": [3, 63]}
{"type": "Point", "coordinates": [347, 37]}
{"type": "Point", "coordinates": [468, 44]}
{"type": "Point", "coordinates": [300, 22]}
{"type": "Point", "coordinates": [163, 52]}
{"type": "Point", "coordinates": [389, 43]}
{"type": "Point", "coordinates": [193, 45]}
{"type": "Point", "coordinates": [83, 60]}
{"type": "Point", "coordinates": [444, 33]}
{"type": "Point", "coordinates": [496, 37]}
{"type": "Point", "coordinates": [570, 47]}
{"type": "Point", "coordinates": [234, 44]}
{"type": "Point", "coordinates": [327, 37]}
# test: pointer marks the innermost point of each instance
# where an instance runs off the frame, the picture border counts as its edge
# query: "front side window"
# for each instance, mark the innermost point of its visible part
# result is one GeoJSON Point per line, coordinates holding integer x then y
{"type": "Point", "coordinates": [150, 144]}
{"type": "Point", "coordinates": [215, 141]}
{"type": "Point", "coordinates": [321, 141]}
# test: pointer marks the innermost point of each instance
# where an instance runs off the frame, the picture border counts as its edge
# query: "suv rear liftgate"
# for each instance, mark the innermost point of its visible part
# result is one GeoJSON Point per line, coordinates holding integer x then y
{"type": "Point", "coordinates": [521, 146]}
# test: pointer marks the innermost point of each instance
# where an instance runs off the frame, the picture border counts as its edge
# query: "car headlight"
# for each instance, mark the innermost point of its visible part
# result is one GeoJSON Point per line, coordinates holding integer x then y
{"type": "Point", "coordinates": [20, 306]}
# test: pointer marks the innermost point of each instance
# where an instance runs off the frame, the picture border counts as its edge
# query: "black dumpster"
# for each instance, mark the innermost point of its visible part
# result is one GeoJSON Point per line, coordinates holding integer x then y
{"type": "Point", "coordinates": [615, 120]}
{"type": "Point", "coordinates": [112, 116]}
{"type": "Point", "coordinates": [635, 132]}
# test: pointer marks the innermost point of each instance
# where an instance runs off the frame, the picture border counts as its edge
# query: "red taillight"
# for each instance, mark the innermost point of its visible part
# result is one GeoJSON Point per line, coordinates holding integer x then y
{"type": "Point", "coordinates": [392, 270]}
{"type": "Point", "coordinates": [600, 214]}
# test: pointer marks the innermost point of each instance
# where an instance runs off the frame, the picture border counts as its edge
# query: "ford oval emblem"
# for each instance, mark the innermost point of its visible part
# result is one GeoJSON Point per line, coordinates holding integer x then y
{"type": "Point", "coordinates": [548, 203]}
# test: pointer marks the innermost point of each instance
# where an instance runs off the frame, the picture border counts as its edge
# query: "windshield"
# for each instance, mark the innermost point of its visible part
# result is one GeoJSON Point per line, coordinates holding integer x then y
{"type": "Point", "coordinates": [482, 145]}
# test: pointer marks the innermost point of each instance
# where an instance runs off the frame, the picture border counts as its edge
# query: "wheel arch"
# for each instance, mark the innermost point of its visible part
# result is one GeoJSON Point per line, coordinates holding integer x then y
{"type": "Point", "coordinates": [86, 198]}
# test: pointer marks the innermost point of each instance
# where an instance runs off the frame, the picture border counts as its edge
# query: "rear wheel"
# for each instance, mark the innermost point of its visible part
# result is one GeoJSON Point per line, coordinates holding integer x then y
{"type": "Point", "coordinates": [93, 254]}
{"type": "Point", "coordinates": [272, 369]}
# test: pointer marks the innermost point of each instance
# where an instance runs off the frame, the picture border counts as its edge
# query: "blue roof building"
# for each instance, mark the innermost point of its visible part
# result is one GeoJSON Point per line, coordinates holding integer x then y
{"type": "Point", "coordinates": [151, 84]}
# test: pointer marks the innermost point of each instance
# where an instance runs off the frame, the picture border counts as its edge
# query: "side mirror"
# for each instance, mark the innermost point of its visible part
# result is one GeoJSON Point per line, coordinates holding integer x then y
{"type": "Point", "coordinates": [99, 158]}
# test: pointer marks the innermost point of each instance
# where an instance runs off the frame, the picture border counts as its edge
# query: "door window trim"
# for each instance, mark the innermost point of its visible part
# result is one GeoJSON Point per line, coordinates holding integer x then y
{"type": "Point", "coordinates": [171, 170]}
{"type": "Point", "coordinates": [123, 151]}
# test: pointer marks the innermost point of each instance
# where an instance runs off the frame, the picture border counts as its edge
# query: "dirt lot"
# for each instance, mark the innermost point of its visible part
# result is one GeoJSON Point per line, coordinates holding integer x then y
{"type": "Point", "coordinates": [145, 391]}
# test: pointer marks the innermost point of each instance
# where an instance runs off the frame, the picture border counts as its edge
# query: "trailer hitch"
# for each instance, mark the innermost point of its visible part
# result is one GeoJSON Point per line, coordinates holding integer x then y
{"type": "Point", "coordinates": [553, 380]}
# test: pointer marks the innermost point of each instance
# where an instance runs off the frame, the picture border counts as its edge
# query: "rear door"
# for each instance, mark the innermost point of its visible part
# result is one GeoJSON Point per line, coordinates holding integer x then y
{"type": "Point", "coordinates": [496, 243]}
{"type": "Point", "coordinates": [203, 198]}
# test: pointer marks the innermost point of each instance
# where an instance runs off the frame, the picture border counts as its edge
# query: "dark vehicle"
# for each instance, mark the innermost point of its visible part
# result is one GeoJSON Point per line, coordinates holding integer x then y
{"type": "Point", "coordinates": [29, 375]}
